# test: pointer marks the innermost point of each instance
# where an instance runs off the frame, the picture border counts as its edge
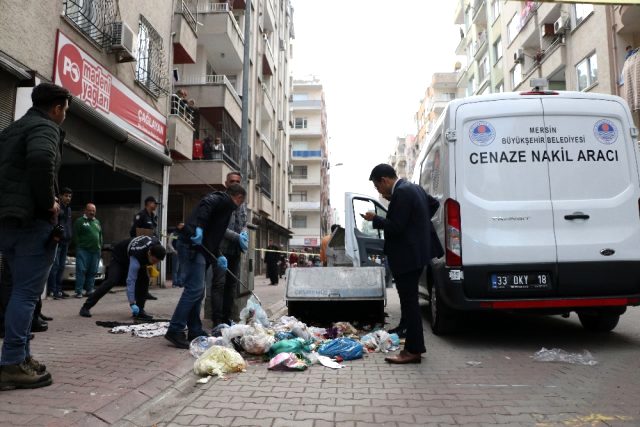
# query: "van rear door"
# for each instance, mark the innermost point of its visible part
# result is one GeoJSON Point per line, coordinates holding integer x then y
{"type": "Point", "coordinates": [594, 193]}
{"type": "Point", "coordinates": [507, 241]}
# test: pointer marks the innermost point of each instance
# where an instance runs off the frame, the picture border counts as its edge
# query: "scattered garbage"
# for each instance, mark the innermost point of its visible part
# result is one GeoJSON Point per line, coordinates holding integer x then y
{"type": "Point", "coordinates": [329, 363]}
{"type": "Point", "coordinates": [219, 360]}
{"type": "Point", "coordinates": [346, 348]}
{"type": "Point", "coordinates": [295, 345]}
{"type": "Point", "coordinates": [381, 341]}
{"type": "Point", "coordinates": [257, 341]}
{"type": "Point", "coordinates": [254, 313]}
{"type": "Point", "coordinates": [287, 362]}
{"type": "Point", "coordinates": [201, 344]}
{"type": "Point", "coordinates": [346, 329]}
{"type": "Point", "coordinates": [143, 330]}
{"type": "Point", "coordinates": [284, 336]}
{"type": "Point", "coordinates": [559, 355]}
{"type": "Point", "coordinates": [474, 363]}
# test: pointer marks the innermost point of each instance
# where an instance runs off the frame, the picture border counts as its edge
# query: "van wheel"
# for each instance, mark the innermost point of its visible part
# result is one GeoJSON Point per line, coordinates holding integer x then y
{"type": "Point", "coordinates": [599, 322]}
{"type": "Point", "coordinates": [442, 317]}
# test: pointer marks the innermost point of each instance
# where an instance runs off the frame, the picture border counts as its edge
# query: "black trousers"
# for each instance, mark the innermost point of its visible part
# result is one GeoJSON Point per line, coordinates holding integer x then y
{"type": "Point", "coordinates": [223, 290]}
{"type": "Point", "coordinates": [272, 272]}
{"type": "Point", "coordinates": [117, 275]}
{"type": "Point", "coordinates": [407, 285]}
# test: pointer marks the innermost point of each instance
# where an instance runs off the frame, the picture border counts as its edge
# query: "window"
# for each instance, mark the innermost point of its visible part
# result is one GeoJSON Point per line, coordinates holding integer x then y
{"type": "Point", "coordinates": [299, 172]}
{"type": "Point", "coordinates": [581, 12]}
{"type": "Point", "coordinates": [497, 51]}
{"type": "Point", "coordinates": [360, 207]}
{"type": "Point", "coordinates": [298, 221]}
{"type": "Point", "coordinates": [496, 9]}
{"type": "Point", "coordinates": [513, 28]}
{"type": "Point", "coordinates": [92, 18]}
{"type": "Point", "coordinates": [150, 62]}
{"type": "Point", "coordinates": [587, 72]}
{"type": "Point", "coordinates": [265, 177]}
{"type": "Point", "coordinates": [516, 75]}
{"type": "Point", "coordinates": [499, 87]}
{"type": "Point", "coordinates": [471, 86]}
{"type": "Point", "coordinates": [300, 96]}
{"type": "Point", "coordinates": [483, 68]}
{"type": "Point", "coordinates": [298, 196]}
{"type": "Point", "coordinates": [301, 123]}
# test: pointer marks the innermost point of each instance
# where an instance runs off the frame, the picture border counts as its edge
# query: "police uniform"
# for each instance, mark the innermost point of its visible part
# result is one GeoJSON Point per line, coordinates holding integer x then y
{"type": "Point", "coordinates": [144, 220]}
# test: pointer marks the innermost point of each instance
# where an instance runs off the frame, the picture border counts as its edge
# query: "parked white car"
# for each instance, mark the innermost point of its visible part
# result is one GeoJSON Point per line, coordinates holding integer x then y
{"type": "Point", "coordinates": [69, 274]}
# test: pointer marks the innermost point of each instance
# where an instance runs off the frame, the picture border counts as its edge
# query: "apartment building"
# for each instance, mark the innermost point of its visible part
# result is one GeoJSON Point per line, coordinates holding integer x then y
{"type": "Point", "coordinates": [210, 80]}
{"type": "Point", "coordinates": [309, 205]}
{"type": "Point", "coordinates": [114, 58]}
{"type": "Point", "coordinates": [403, 150]}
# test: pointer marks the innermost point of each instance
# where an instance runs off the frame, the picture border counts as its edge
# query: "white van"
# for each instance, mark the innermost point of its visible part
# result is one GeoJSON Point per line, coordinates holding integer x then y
{"type": "Point", "coordinates": [540, 206]}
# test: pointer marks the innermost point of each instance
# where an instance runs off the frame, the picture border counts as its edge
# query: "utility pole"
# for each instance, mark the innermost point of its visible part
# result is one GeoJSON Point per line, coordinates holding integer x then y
{"type": "Point", "coordinates": [244, 133]}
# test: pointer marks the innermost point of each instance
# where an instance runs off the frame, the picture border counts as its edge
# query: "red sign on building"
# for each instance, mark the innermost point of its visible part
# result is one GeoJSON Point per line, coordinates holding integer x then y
{"type": "Point", "coordinates": [89, 81]}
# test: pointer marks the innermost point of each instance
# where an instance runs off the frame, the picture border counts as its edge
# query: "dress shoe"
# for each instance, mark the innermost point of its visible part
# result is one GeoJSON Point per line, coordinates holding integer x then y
{"type": "Point", "coordinates": [404, 357]}
{"type": "Point", "coordinates": [178, 339]}
{"type": "Point", "coordinates": [84, 312]}
{"type": "Point", "coordinates": [401, 331]}
{"type": "Point", "coordinates": [151, 297]}
{"type": "Point", "coordinates": [46, 318]}
{"type": "Point", "coordinates": [143, 315]}
{"type": "Point", "coordinates": [65, 295]}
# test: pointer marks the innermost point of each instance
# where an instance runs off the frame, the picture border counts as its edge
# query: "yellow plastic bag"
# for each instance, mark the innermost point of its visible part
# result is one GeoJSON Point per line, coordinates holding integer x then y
{"type": "Point", "coordinates": [153, 271]}
{"type": "Point", "coordinates": [218, 360]}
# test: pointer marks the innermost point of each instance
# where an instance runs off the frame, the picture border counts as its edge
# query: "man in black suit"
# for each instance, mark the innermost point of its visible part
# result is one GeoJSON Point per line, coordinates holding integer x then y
{"type": "Point", "coordinates": [407, 232]}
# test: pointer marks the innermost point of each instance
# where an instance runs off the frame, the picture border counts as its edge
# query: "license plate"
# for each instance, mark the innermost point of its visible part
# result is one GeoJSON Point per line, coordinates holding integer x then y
{"type": "Point", "coordinates": [500, 281]}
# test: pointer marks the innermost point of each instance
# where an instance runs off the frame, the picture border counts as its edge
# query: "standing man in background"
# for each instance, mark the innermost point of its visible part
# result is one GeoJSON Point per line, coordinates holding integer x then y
{"type": "Point", "coordinates": [145, 223]}
{"type": "Point", "coordinates": [30, 157]}
{"type": "Point", "coordinates": [60, 261]}
{"type": "Point", "coordinates": [234, 243]}
{"type": "Point", "coordinates": [87, 237]}
{"type": "Point", "coordinates": [407, 246]}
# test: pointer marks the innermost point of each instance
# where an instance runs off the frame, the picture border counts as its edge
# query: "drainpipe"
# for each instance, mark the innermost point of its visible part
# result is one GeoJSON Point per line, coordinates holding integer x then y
{"type": "Point", "coordinates": [244, 135]}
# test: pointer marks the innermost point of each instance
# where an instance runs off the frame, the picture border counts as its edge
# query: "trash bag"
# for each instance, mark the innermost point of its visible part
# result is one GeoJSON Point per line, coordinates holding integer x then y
{"type": "Point", "coordinates": [559, 355]}
{"type": "Point", "coordinates": [254, 313]}
{"type": "Point", "coordinates": [379, 340]}
{"type": "Point", "coordinates": [296, 345]}
{"type": "Point", "coordinates": [236, 331]}
{"type": "Point", "coordinates": [345, 329]}
{"type": "Point", "coordinates": [217, 330]}
{"type": "Point", "coordinates": [257, 341]}
{"type": "Point", "coordinates": [218, 360]}
{"type": "Point", "coordinates": [346, 348]}
{"type": "Point", "coordinates": [287, 362]}
{"type": "Point", "coordinates": [201, 344]}
{"type": "Point", "coordinates": [284, 336]}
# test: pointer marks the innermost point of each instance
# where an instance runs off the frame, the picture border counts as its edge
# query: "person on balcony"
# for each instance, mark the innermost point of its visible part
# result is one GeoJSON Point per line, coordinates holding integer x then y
{"type": "Point", "coordinates": [207, 148]}
{"type": "Point", "coordinates": [218, 146]}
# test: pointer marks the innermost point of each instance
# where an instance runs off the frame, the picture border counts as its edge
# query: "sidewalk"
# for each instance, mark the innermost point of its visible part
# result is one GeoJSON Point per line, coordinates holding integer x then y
{"type": "Point", "coordinates": [99, 377]}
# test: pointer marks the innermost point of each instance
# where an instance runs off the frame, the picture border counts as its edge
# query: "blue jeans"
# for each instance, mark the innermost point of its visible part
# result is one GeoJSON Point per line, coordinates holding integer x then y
{"type": "Point", "coordinates": [86, 269]}
{"type": "Point", "coordinates": [177, 275]}
{"type": "Point", "coordinates": [29, 257]}
{"type": "Point", "coordinates": [187, 312]}
{"type": "Point", "coordinates": [57, 269]}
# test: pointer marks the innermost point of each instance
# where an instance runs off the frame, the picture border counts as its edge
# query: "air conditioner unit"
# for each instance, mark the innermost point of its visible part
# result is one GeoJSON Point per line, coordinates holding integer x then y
{"type": "Point", "coordinates": [280, 125]}
{"type": "Point", "coordinates": [547, 30]}
{"type": "Point", "coordinates": [518, 56]}
{"type": "Point", "coordinates": [561, 25]}
{"type": "Point", "coordinates": [123, 42]}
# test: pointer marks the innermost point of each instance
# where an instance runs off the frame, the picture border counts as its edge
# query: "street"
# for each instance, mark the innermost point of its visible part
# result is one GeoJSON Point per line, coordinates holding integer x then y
{"type": "Point", "coordinates": [102, 378]}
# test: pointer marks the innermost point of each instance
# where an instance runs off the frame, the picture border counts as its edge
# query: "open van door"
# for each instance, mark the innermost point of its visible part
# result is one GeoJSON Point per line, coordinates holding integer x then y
{"type": "Point", "coordinates": [595, 191]}
{"type": "Point", "coordinates": [362, 241]}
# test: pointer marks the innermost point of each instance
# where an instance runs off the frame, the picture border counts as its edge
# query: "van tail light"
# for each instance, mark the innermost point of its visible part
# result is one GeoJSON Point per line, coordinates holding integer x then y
{"type": "Point", "coordinates": [453, 233]}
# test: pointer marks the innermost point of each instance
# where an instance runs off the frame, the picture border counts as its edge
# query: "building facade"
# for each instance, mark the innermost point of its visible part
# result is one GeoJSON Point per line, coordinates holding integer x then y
{"type": "Point", "coordinates": [211, 84]}
{"type": "Point", "coordinates": [115, 60]}
{"type": "Point", "coordinates": [309, 205]}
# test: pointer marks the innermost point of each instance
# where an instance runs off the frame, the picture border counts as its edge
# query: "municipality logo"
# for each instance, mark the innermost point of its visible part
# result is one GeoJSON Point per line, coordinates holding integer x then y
{"type": "Point", "coordinates": [605, 131]}
{"type": "Point", "coordinates": [482, 133]}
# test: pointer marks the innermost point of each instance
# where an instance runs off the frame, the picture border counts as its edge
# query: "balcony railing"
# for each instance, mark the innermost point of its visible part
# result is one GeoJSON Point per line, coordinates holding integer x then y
{"type": "Point", "coordinates": [212, 6]}
{"type": "Point", "coordinates": [210, 79]}
{"type": "Point", "coordinates": [180, 108]}
{"type": "Point", "coordinates": [306, 153]}
{"type": "Point", "coordinates": [183, 9]}
{"type": "Point", "coordinates": [226, 156]}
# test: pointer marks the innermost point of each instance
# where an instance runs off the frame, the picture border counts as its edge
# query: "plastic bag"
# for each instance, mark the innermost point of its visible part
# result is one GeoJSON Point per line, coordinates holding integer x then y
{"type": "Point", "coordinates": [345, 328]}
{"type": "Point", "coordinates": [346, 348]}
{"type": "Point", "coordinates": [379, 340]}
{"type": "Point", "coordinates": [287, 362]}
{"type": "Point", "coordinates": [236, 331]}
{"type": "Point", "coordinates": [257, 341]}
{"type": "Point", "coordinates": [317, 334]}
{"type": "Point", "coordinates": [201, 344]}
{"type": "Point", "coordinates": [558, 355]}
{"type": "Point", "coordinates": [218, 360]}
{"type": "Point", "coordinates": [254, 313]}
{"type": "Point", "coordinates": [217, 330]}
{"type": "Point", "coordinates": [284, 336]}
{"type": "Point", "coordinates": [296, 345]}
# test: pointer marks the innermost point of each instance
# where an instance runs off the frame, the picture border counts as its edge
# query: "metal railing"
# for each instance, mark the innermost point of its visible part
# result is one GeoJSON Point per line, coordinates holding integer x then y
{"type": "Point", "coordinates": [183, 9]}
{"type": "Point", "coordinates": [180, 108]}
{"type": "Point", "coordinates": [92, 18]}
{"type": "Point", "coordinates": [212, 6]}
{"type": "Point", "coordinates": [210, 79]}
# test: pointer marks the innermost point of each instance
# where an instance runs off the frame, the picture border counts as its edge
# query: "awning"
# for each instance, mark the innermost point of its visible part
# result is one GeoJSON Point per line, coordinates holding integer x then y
{"type": "Point", "coordinates": [12, 66]}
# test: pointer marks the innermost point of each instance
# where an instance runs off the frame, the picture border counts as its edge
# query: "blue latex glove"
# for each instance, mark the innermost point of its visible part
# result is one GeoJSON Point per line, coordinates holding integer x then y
{"type": "Point", "coordinates": [135, 310]}
{"type": "Point", "coordinates": [222, 262]}
{"type": "Point", "coordinates": [244, 241]}
{"type": "Point", "coordinates": [197, 238]}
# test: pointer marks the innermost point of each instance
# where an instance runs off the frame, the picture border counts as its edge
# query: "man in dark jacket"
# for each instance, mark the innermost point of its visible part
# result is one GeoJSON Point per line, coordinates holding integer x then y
{"type": "Point", "coordinates": [408, 248]}
{"type": "Point", "coordinates": [30, 156]}
{"type": "Point", "coordinates": [57, 269]}
{"type": "Point", "coordinates": [203, 232]}
{"type": "Point", "coordinates": [271, 259]}
{"type": "Point", "coordinates": [146, 221]}
{"type": "Point", "coordinates": [129, 261]}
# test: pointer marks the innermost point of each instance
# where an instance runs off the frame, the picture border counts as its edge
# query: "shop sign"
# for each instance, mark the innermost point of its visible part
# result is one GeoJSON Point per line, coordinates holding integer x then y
{"type": "Point", "coordinates": [310, 242]}
{"type": "Point", "coordinates": [89, 81]}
